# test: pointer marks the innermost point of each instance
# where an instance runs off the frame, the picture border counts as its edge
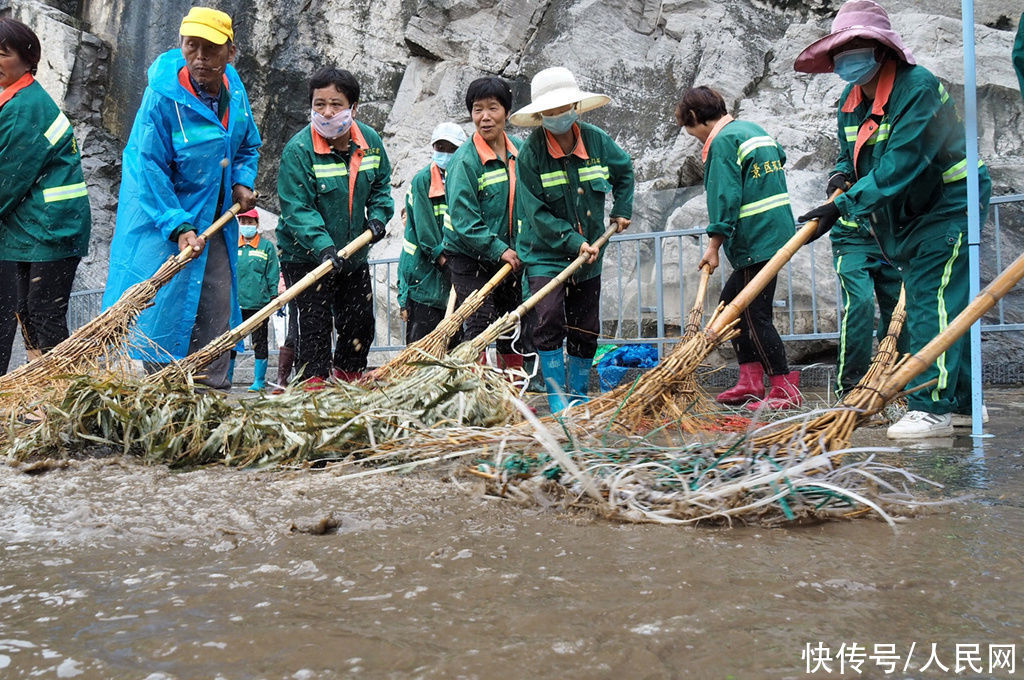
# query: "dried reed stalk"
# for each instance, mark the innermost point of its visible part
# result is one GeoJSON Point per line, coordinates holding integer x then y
{"type": "Point", "coordinates": [101, 338]}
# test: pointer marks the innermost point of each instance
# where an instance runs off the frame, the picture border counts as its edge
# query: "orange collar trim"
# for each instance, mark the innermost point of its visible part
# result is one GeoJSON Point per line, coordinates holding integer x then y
{"type": "Point", "coordinates": [882, 93]}
{"type": "Point", "coordinates": [15, 87]}
{"type": "Point", "coordinates": [436, 182]}
{"type": "Point", "coordinates": [486, 153]}
{"type": "Point", "coordinates": [322, 146]}
{"type": "Point", "coordinates": [555, 149]}
{"type": "Point", "coordinates": [254, 241]}
{"type": "Point", "coordinates": [722, 122]}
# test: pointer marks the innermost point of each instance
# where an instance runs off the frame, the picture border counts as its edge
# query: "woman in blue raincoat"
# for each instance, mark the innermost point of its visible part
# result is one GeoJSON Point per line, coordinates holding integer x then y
{"type": "Point", "coordinates": [192, 152]}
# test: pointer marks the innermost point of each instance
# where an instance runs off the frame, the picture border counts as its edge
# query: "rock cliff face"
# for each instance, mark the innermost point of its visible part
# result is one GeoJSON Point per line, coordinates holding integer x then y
{"type": "Point", "coordinates": [414, 59]}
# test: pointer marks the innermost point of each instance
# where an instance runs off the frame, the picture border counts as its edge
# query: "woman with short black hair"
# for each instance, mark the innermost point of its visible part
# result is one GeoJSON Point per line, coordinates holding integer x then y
{"type": "Point", "coordinates": [44, 207]}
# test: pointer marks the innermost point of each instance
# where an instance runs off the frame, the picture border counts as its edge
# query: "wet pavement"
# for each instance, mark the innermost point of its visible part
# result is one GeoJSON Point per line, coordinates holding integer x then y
{"type": "Point", "coordinates": [112, 570]}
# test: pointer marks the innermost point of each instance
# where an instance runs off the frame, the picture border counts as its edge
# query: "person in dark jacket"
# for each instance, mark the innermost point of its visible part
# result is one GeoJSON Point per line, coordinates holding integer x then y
{"type": "Point", "coordinates": [566, 170]}
{"type": "Point", "coordinates": [334, 183]}
{"type": "Point", "coordinates": [44, 206]}
{"type": "Point", "coordinates": [903, 151]}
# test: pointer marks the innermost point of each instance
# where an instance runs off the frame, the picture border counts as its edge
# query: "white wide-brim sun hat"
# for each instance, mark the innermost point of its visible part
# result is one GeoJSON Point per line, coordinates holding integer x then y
{"type": "Point", "coordinates": [551, 88]}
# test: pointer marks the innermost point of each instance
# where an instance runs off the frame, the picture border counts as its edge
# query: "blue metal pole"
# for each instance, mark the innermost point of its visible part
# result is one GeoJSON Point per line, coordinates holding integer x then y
{"type": "Point", "coordinates": [973, 209]}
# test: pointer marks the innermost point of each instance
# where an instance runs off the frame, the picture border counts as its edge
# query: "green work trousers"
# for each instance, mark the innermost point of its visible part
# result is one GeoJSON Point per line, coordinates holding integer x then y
{"type": "Point", "coordinates": [936, 276]}
{"type": "Point", "coordinates": [864, 276]}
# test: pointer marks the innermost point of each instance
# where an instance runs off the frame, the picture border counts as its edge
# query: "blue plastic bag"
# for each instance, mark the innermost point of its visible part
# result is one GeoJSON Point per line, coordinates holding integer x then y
{"type": "Point", "coordinates": [614, 364]}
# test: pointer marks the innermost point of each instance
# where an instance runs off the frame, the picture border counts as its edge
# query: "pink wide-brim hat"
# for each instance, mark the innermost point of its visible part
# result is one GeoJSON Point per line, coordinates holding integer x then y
{"type": "Point", "coordinates": [855, 19]}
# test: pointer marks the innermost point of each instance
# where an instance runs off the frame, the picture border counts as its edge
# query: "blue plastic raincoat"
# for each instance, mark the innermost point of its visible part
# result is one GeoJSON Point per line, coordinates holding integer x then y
{"type": "Point", "coordinates": [179, 167]}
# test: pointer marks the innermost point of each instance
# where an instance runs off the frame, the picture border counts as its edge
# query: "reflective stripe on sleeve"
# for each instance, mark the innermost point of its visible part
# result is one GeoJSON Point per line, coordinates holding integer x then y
{"type": "Point", "coordinates": [748, 147]}
{"type": "Point", "coordinates": [764, 205]}
{"type": "Point", "coordinates": [957, 172]}
{"type": "Point", "coordinates": [408, 247]}
{"type": "Point", "coordinates": [60, 125]}
{"type": "Point", "coordinates": [64, 193]}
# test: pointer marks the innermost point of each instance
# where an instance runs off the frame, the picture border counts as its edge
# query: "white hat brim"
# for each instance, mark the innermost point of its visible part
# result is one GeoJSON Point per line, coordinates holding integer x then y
{"type": "Point", "coordinates": [529, 115]}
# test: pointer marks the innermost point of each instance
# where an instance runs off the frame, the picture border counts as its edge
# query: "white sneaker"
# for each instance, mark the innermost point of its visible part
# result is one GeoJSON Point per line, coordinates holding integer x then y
{"type": "Point", "coordinates": [921, 425]}
{"type": "Point", "coordinates": [964, 419]}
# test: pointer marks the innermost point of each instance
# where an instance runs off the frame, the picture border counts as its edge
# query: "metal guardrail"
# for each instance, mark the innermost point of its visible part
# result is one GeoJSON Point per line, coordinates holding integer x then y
{"type": "Point", "coordinates": [637, 306]}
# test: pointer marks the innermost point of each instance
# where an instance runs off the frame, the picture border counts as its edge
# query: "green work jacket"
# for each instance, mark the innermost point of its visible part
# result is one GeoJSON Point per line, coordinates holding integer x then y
{"type": "Point", "coordinates": [258, 272]}
{"type": "Point", "coordinates": [327, 196]}
{"type": "Point", "coordinates": [480, 194]}
{"type": "Point", "coordinates": [560, 199]}
{"type": "Point", "coordinates": [910, 181]}
{"type": "Point", "coordinates": [748, 202]}
{"type": "Point", "coordinates": [44, 206]}
{"type": "Point", "coordinates": [420, 278]}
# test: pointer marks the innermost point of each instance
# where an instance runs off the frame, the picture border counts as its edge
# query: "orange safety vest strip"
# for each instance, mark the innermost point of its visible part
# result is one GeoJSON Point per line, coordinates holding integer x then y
{"type": "Point", "coordinates": [882, 93]}
{"type": "Point", "coordinates": [436, 182]}
{"type": "Point", "coordinates": [20, 84]}
{"type": "Point", "coordinates": [322, 146]}
{"type": "Point", "coordinates": [555, 149]}
{"type": "Point", "coordinates": [486, 153]}
{"type": "Point", "coordinates": [186, 82]}
{"type": "Point", "coordinates": [722, 122]}
{"type": "Point", "coordinates": [255, 242]}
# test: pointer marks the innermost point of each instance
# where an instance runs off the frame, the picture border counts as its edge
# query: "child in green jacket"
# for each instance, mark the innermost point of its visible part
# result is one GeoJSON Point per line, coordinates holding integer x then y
{"type": "Point", "coordinates": [258, 274]}
{"type": "Point", "coordinates": [566, 170]}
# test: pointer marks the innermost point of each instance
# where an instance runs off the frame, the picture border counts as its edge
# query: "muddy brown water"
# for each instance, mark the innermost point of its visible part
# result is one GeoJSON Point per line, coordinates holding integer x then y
{"type": "Point", "coordinates": [113, 570]}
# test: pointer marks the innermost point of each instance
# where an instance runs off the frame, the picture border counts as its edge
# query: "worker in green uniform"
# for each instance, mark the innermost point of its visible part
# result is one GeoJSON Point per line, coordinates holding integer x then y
{"type": "Point", "coordinates": [904, 141]}
{"type": "Point", "coordinates": [750, 216]}
{"type": "Point", "coordinates": [480, 227]}
{"type": "Point", "coordinates": [566, 169]}
{"type": "Point", "coordinates": [258, 273]}
{"type": "Point", "coordinates": [423, 284]}
{"type": "Point", "coordinates": [334, 183]}
{"type": "Point", "coordinates": [865, 275]}
{"type": "Point", "coordinates": [44, 206]}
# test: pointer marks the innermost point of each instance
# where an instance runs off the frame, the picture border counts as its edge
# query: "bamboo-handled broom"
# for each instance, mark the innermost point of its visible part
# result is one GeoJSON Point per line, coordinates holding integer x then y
{"type": "Point", "coordinates": [655, 393]}
{"type": "Point", "coordinates": [435, 343]}
{"type": "Point", "coordinates": [102, 335]}
{"type": "Point", "coordinates": [197, 360]}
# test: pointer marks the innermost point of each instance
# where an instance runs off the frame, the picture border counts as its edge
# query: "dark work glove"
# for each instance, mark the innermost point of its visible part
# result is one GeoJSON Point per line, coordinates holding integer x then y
{"type": "Point", "coordinates": [331, 255]}
{"type": "Point", "coordinates": [376, 227]}
{"type": "Point", "coordinates": [838, 180]}
{"type": "Point", "coordinates": [826, 215]}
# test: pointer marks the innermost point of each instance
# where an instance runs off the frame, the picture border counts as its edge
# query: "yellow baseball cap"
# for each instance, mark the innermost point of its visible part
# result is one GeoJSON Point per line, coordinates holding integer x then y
{"type": "Point", "coordinates": [207, 23]}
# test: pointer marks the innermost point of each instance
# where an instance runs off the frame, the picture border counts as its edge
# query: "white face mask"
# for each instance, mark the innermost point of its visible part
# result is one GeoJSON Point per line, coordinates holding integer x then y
{"type": "Point", "coordinates": [333, 127]}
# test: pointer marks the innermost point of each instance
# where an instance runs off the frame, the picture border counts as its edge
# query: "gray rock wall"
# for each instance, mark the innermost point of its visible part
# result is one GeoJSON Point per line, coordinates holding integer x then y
{"type": "Point", "coordinates": [414, 59]}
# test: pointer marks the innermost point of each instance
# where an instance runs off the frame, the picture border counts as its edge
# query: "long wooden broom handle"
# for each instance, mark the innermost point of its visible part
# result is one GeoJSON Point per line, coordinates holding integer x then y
{"type": "Point", "coordinates": [702, 287]}
{"type": "Point", "coordinates": [912, 366]}
{"type": "Point", "coordinates": [564, 275]}
{"type": "Point", "coordinates": [732, 311]}
{"type": "Point", "coordinates": [250, 324]}
{"type": "Point", "coordinates": [230, 214]}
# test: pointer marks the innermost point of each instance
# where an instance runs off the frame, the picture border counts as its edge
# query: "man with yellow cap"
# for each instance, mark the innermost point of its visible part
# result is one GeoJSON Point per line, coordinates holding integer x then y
{"type": "Point", "coordinates": [566, 170]}
{"type": "Point", "coordinates": [192, 152]}
{"type": "Point", "coordinates": [902, 149]}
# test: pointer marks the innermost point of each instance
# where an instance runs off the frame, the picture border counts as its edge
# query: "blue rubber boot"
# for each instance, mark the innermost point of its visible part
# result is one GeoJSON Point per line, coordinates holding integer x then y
{"type": "Point", "coordinates": [579, 378]}
{"type": "Point", "coordinates": [259, 381]}
{"type": "Point", "coordinates": [552, 366]}
{"type": "Point", "coordinates": [231, 371]}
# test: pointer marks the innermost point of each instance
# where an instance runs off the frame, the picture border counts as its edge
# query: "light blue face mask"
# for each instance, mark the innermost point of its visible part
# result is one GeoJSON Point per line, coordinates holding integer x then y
{"type": "Point", "coordinates": [856, 66]}
{"type": "Point", "coordinates": [248, 230]}
{"type": "Point", "coordinates": [561, 123]}
{"type": "Point", "coordinates": [441, 159]}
